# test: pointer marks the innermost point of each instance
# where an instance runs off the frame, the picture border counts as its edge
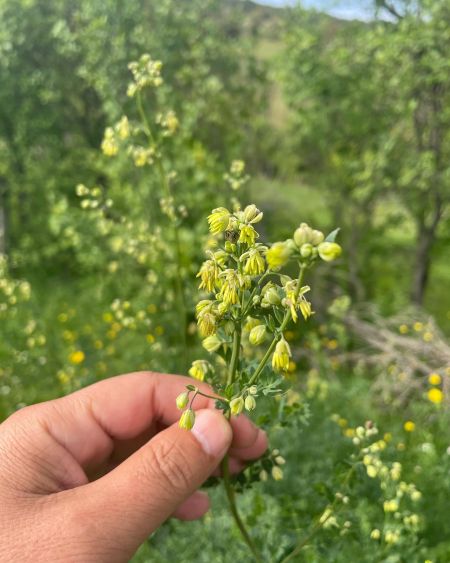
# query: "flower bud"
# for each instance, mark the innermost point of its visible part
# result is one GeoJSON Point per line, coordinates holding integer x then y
{"type": "Point", "coordinates": [303, 234]}
{"type": "Point", "coordinates": [279, 460]}
{"type": "Point", "coordinates": [199, 369]}
{"type": "Point", "coordinates": [329, 251]}
{"type": "Point", "coordinates": [282, 356]}
{"type": "Point", "coordinates": [317, 237]}
{"type": "Point", "coordinates": [250, 403]}
{"type": "Point", "coordinates": [236, 406]}
{"type": "Point", "coordinates": [187, 420]}
{"type": "Point", "coordinates": [306, 250]}
{"type": "Point", "coordinates": [278, 255]}
{"type": "Point", "coordinates": [257, 335]}
{"type": "Point", "coordinates": [263, 475]}
{"type": "Point", "coordinates": [253, 390]}
{"type": "Point", "coordinates": [277, 473]}
{"type": "Point", "coordinates": [212, 343]}
{"type": "Point", "coordinates": [218, 220]}
{"type": "Point", "coordinates": [252, 214]}
{"type": "Point", "coordinates": [182, 400]}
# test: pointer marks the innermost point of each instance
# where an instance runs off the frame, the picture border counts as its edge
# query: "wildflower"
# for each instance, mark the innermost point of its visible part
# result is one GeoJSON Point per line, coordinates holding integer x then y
{"type": "Point", "coordinates": [209, 273]}
{"type": "Point", "coordinates": [218, 220]}
{"type": "Point", "coordinates": [212, 343]}
{"type": "Point", "coordinates": [277, 473]}
{"type": "Point", "coordinates": [142, 156]}
{"type": "Point", "coordinates": [237, 167]}
{"type": "Point", "coordinates": [329, 251]}
{"type": "Point", "coordinates": [187, 419]}
{"type": "Point", "coordinates": [77, 357]}
{"type": "Point", "coordinates": [236, 406]}
{"type": "Point", "coordinates": [375, 534]}
{"type": "Point", "coordinates": [182, 400]}
{"type": "Point", "coordinates": [206, 320]}
{"type": "Point", "coordinates": [253, 390]}
{"type": "Point", "coordinates": [434, 379]}
{"type": "Point", "coordinates": [263, 475]}
{"type": "Point", "coordinates": [372, 471]}
{"type": "Point", "coordinates": [169, 123]}
{"type": "Point", "coordinates": [81, 190]}
{"type": "Point", "coordinates": [146, 72]}
{"type": "Point", "coordinates": [250, 403]}
{"type": "Point", "coordinates": [123, 128]}
{"type": "Point", "coordinates": [418, 326]}
{"type": "Point", "coordinates": [230, 285]}
{"type": "Point", "coordinates": [305, 308]}
{"type": "Point", "coordinates": [278, 255]}
{"type": "Point", "coordinates": [254, 262]}
{"type": "Point", "coordinates": [199, 369]}
{"type": "Point", "coordinates": [248, 235]}
{"type": "Point", "coordinates": [303, 235]}
{"type": "Point", "coordinates": [306, 250]}
{"type": "Point", "coordinates": [109, 144]}
{"type": "Point", "coordinates": [435, 395]}
{"type": "Point", "coordinates": [279, 460]}
{"type": "Point", "coordinates": [270, 295]}
{"type": "Point", "coordinates": [252, 214]}
{"type": "Point", "coordinates": [391, 537]}
{"type": "Point", "coordinates": [282, 355]}
{"type": "Point", "coordinates": [403, 329]}
{"type": "Point", "coordinates": [409, 426]}
{"type": "Point", "coordinates": [390, 505]}
{"type": "Point", "coordinates": [257, 335]}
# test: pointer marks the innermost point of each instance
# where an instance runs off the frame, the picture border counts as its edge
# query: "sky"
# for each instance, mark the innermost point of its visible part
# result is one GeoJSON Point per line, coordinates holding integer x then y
{"type": "Point", "coordinates": [347, 9]}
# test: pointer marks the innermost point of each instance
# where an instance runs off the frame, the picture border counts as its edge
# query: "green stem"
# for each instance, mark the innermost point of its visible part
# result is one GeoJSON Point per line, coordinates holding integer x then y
{"type": "Point", "coordinates": [285, 322]}
{"type": "Point", "coordinates": [182, 307]}
{"type": "Point", "coordinates": [231, 495]}
{"type": "Point", "coordinates": [234, 354]}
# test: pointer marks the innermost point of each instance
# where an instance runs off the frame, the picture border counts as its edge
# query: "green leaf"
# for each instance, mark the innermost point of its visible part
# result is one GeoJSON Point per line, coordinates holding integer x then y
{"type": "Point", "coordinates": [332, 236]}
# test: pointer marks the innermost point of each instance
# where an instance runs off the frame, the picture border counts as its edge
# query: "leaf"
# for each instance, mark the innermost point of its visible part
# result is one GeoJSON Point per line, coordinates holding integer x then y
{"type": "Point", "coordinates": [332, 236]}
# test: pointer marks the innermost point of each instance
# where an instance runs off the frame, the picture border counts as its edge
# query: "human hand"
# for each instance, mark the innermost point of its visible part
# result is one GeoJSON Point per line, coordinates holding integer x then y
{"type": "Point", "coordinates": [89, 476]}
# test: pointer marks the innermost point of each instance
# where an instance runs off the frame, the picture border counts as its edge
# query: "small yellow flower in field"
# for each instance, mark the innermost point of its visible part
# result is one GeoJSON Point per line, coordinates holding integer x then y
{"type": "Point", "coordinates": [63, 377]}
{"type": "Point", "coordinates": [387, 437]}
{"type": "Point", "coordinates": [375, 534]}
{"type": "Point", "coordinates": [401, 447]}
{"type": "Point", "coordinates": [107, 317]}
{"type": "Point", "coordinates": [282, 356]}
{"type": "Point", "coordinates": [218, 220]}
{"type": "Point", "coordinates": [77, 357]}
{"type": "Point", "coordinates": [159, 330]}
{"type": "Point", "coordinates": [435, 395]}
{"type": "Point", "coordinates": [409, 426]}
{"type": "Point", "coordinates": [98, 344]}
{"type": "Point", "coordinates": [187, 420]}
{"type": "Point", "coordinates": [123, 128]}
{"type": "Point", "coordinates": [349, 432]}
{"type": "Point", "coordinates": [150, 338]}
{"type": "Point", "coordinates": [332, 344]}
{"type": "Point", "coordinates": [343, 423]}
{"type": "Point", "coordinates": [418, 326]}
{"type": "Point", "coordinates": [278, 255]}
{"type": "Point", "coordinates": [403, 329]}
{"type": "Point", "coordinates": [277, 473]}
{"type": "Point", "coordinates": [372, 471]}
{"type": "Point", "coordinates": [427, 336]}
{"type": "Point", "coordinates": [434, 379]}
{"type": "Point", "coordinates": [63, 317]}
{"type": "Point", "coordinates": [390, 505]}
{"type": "Point", "coordinates": [109, 144]}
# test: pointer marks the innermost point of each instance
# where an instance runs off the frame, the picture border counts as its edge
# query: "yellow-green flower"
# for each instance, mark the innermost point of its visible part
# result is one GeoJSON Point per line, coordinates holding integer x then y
{"type": "Point", "coordinates": [257, 335]}
{"type": "Point", "coordinates": [282, 356]}
{"type": "Point", "coordinates": [303, 235]}
{"type": "Point", "coordinates": [305, 308]}
{"type": "Point", "coordinates": [209, 273]}
{"type": "Point", "coordinates": [435, 395]}
{"type": "Point", "coordinates": [199, 369]}
{"type": "Point", "coordinates": [109, 144]}
{"type": "Point", "coordinates": [277, 473]}
{"type": "Point", "coordinates": [187, 420]}
{"type": "Point", "coordinates": [218, 220]}
{"type": "Point", "coordinates": [212, 343]}
{"type": "Point", "coordinates": [236, 406]}
{"type": "Point", "coordinates": [77, 357]}
{"type": "Point", "coordinates": [278, 255]}
{"type": "Point", "coordinates": [329, 251]}
{"type": "Point", "coordinates": [230, 285]}
{"type": "Point", "coordinates": [182, 400]}
{"type": "Point", "coordinates": [254, 262]}
{"type": "Point", "coordinates": [123, 128]}
{"type": "Point", "coordinates": [270, 295]}
{"type": "Point", "coordinates": [250, 403]}
{"type": "Point", "coordinates": [248, 235]}
{"type": "Point", "coordinates": [252, 214]}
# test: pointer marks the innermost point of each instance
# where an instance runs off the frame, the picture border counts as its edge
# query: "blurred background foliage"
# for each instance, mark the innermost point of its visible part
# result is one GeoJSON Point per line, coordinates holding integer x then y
{"type": "Point", "coordinates": [340, 123]}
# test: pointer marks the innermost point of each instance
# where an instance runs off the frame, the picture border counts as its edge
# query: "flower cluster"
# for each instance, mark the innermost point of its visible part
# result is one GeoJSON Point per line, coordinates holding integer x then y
{"type": "Point", "coordinates": [248, 300]}
{"type": "Point", "coordinates": [146, 72]}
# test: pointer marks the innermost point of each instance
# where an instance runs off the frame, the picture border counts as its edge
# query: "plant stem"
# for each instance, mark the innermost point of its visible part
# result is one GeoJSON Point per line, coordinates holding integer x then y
{"type": "Point", "coordinates": [286, 319]}
{"type": "Point", "coordinates": [235, 354]}
{"type": "Point", "coordinates": [230, 492]}
{"type": "Point", "coordinates": [182, 308]}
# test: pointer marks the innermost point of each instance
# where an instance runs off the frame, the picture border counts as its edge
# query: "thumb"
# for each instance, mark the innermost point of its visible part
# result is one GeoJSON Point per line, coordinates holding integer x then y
{"type": "Point", "coordinates": [141, 493]}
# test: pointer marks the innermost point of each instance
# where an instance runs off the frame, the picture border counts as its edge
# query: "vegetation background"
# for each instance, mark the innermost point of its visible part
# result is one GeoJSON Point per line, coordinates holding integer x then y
{"type": "Point", "coordinates": [340, 122]}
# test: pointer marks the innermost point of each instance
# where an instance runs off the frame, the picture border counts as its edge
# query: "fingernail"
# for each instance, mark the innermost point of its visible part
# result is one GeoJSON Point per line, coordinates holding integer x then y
{"type": "Point", "coordinates": [213, 432]}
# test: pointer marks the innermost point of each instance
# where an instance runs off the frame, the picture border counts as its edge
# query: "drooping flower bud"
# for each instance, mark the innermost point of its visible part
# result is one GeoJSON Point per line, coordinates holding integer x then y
{"type": "Point", "coordinates": [306, 250]}
{"type": "Point", "coordinates": [199, 369]}
{"type": "Point", "coordinates": [257, 335]}
{"type": "Point", "coordinates": [277, 473]}
{"type": "Point", "coordinates": [278, 255]}
{"type": "Point", "coordinates": [250, 403]}
{"type": "Point", "coordinates": [236, 406]}
{"type": "Point", "coordinates": [182, 400]}
{"type": "Point", "coordinates": [282, 356]}
{"type": "Point", "coordinates": [329, 251]}
{"type": "Point", "coordinates": [212, 343]}
{"type": "Point", "coordinates": [187, 420]}
{"type": "Point", "coordinates": [252, 214]}
{"type": "Point", "coordinates": [218, 220]}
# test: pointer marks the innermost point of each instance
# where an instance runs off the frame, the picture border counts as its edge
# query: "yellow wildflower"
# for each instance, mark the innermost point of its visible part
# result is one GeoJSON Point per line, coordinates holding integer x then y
{"type": "Point", "coordinates": [77, 357]}
{"type": "Point", "coordinates": [199, 369]}
{"type": "Point", "coordinates": [282, 356]}
{"type": "Point", "coordinates": [434, 379]}
{"type": "Point", "coordinates": [278, 255]}
{"type": "Point", "coordinates": [187, 420]}
{"type": "Point", "coordinates": [329, 251]}
{"type": "Point", "coordinates": [248, 235]}
{"type": "Point", "coordinates": [218, 220]}
{"type": "Point", "coordinates": [409, 426]}
{"type": "Point", "coordinates": [435, 395]}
